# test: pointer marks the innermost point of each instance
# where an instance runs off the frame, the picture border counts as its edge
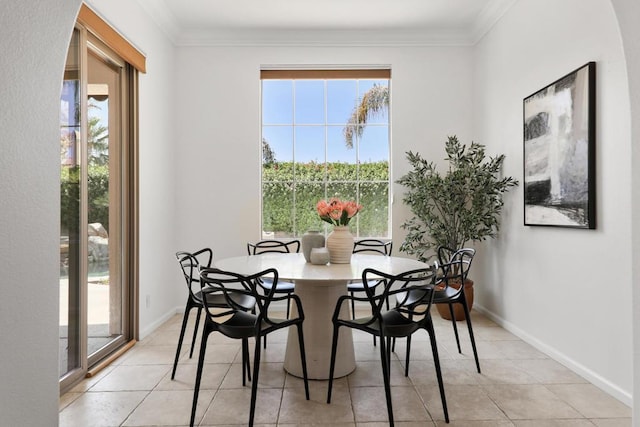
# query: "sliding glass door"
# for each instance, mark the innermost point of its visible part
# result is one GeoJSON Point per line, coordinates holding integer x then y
{"type": "Point", "coordinates": [95, 243]}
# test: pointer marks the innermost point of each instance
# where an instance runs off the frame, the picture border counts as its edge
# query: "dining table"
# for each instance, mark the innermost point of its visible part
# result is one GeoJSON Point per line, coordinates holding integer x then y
{"type": "Point", "coordinates": [318, 287]}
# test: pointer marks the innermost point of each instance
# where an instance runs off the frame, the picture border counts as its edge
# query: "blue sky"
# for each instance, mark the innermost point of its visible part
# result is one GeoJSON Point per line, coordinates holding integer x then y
{"type": "Point", "coordinates": [282, 100]}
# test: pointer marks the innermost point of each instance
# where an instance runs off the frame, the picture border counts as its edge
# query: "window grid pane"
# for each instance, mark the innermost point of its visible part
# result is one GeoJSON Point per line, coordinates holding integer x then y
{"type": "Point", "coordinates": [309, 157]}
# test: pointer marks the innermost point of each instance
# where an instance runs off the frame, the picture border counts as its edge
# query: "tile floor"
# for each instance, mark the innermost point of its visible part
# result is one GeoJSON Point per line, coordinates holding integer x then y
{"type": "Point", "coordinates": [519, 386]}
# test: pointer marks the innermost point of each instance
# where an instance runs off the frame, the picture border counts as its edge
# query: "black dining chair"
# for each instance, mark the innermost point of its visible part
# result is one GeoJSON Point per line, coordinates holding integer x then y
{"type": "Point", "coordinates": [452, 292]}
{"type": "Point", "coordinates": [189, 265]}
{"type": "Point", "coordinates": [368, 246]}
{"type": "Point", "coordinates": [275, 246]}
{"type": "Point", "coordinates": [454, 267]}
{"type": "Point", "coordinates": [237, 323]}
{"type": "Point", "coordinates": [400, 322]}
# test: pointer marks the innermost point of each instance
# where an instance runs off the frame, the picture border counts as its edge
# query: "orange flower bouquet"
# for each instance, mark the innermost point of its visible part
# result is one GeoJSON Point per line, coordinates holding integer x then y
{"type": "Point", "coordinates": [337, 212]}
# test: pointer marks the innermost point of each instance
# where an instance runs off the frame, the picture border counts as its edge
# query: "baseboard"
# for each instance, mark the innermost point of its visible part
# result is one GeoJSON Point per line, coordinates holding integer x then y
{"type": "Point", "coordinates": [559, 357]}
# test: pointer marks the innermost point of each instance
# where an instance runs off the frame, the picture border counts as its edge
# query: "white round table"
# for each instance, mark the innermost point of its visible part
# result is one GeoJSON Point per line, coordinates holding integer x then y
{"type": "Point", "coordinates": [319, 287]}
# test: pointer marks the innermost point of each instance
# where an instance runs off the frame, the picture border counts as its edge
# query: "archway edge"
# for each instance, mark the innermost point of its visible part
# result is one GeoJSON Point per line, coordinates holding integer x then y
{"type": "Point", "coordinates": [627, 13]}
{"type": "Point", "coordinates": [33, 40]}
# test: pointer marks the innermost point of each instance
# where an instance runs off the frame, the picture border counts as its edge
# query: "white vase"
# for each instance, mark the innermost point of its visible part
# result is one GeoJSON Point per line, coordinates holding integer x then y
{"type": "Point", "coordinates": [311, 239]}
{"type": "Point", "coordinates": [340, 245]}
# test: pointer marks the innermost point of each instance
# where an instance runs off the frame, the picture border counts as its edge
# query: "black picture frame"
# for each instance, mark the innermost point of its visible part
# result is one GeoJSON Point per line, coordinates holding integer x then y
{"type": "Point", "coordinates": [559, 137]}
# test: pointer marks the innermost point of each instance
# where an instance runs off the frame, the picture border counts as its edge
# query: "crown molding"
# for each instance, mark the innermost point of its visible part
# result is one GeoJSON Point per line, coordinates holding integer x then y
{"type": "Point", "coordinates": [247, 37]}
{"type": "Point", "coordinates": [319, 38]}
{"type": "Point", "coordinates": [488, 17]}
{"type": "Point", "coordinates": [162, 16]}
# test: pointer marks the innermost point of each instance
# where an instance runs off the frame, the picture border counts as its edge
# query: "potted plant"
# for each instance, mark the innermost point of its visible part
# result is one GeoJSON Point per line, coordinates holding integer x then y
{"type": "Point", "coordinates": [450, 209]}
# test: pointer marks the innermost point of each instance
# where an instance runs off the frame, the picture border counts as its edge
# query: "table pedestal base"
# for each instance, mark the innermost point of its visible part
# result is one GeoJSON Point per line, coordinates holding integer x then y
{"type": "Point", "coordinates": [318, 302]}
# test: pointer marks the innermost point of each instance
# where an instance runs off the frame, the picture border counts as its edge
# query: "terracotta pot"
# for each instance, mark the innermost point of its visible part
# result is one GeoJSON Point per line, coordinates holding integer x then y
{"type": "Point", "coordinates": [458, 311]}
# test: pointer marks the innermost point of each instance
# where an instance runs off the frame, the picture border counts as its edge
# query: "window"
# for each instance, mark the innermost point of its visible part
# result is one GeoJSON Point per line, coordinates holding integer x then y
{"type": "Point", "coordinates": [325, 133]}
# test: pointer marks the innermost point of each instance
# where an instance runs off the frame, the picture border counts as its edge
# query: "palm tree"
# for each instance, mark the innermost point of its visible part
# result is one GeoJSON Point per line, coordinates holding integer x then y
{"type": "Point", "coordinates": [374, 101]}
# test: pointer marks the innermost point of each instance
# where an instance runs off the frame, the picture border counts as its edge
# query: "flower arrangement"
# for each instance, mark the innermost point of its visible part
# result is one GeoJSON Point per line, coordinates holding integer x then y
{"type": "Point", "coordinates": [337, 212]}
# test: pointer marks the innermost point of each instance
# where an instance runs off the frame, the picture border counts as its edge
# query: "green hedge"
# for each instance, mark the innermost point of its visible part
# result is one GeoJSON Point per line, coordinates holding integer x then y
{"type": "Point", "coordinates": [98, 188]}
{"type": "Point", "coordinates": [289, 206]}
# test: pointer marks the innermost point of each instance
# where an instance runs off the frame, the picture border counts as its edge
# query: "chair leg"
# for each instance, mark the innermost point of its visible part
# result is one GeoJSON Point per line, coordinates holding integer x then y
{"type": "Point", "coordinates": [303, 360]}
{"type": "Point", "coordinates": [455, 326]}
{"type": "Point", "coordinates": [254, 383]}
{"type": "Point", "coordinates": [436, 361]}
{"type": "Point", "coordinates": [332, 364]}
{"type": "Point", "coordinates": [196, 389]}
{"type": "Point", "coordinates": [246, 367]}
{"type": "Point", "coordinates": [187, 309]}
{"type": "Point", "coordinates": [195, 332]}
{"type": "Point", "coordinates": [353, 306]}
{"type": "Point", "coordinates": [407, 357]}
{"type": "Point", "coordinates": [473, 340]}
{"type": "Point", "coordinates": [384, 356]}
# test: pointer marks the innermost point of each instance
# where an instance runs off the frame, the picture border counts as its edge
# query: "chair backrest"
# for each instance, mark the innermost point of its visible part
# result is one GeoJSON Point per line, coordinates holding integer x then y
{"type": "Point", "coordinates": [373, 246]}
{"type": "Point", "coordinates": [458, 265]}
{"type": "Point", "coordinates": [273, 246]}
{"type": "Point", "coordinates": [234, 284]}
{"type": "Point", "coordinates": [191, 262]}
{"type": "Point", "coordinates": [420, 282]}
{"type": "Point", "coordinates": [444, 254]}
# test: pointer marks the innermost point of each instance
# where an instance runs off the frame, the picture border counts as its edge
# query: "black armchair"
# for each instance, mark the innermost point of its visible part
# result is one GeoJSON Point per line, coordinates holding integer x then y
{"type": "Point", "coordinates": [401, 321]}
{"type": "Point", "coordinates": [237, 323]}
{"type": "Point", "coordinates": [189, 264]}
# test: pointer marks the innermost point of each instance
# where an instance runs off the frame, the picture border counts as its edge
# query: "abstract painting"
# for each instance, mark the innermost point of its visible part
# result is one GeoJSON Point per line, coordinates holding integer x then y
{"type": "Point", "coordinates": [559, 152]}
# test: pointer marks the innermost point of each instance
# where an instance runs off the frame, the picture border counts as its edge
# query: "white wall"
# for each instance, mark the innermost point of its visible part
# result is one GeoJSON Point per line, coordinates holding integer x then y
{"type": "Point", "coordinates": [219, 115]}
{"type": "Point", "coordinates": [159, 141]}
{"type": "Point", "coordinates": [566, 290]}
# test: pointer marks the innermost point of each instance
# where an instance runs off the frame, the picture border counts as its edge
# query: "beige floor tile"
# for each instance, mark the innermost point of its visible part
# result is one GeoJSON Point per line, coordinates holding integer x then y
{"type": "Point", "coordinates": [231, 406]}
{"type": "Point", "coordinates": [490, 333]}
{"type": "Point", "coordinates": [212, 376]}
{"type": "Point", "coordinates": [399, 424]}
{"type": "Point", "coordinates": [553, 423]}
{"type": "Point", "coordinates": [612, 422]}
{"type": "Point", "coordinates": [87, 383]}
{"type": "Point", "coordinates": [312, 424]}
{"type": "Point", "coordinates": [150, 355]}
{"type": "Point", "coordinates": [94, 409]}
{"type": "Point", "coordinates": [296, 409]}
{"type": "Point", "coordinates": [272, 354]}
{"type": "Point", "coordinates": [525, 402]}
{"type": "Point", "coordinates": [171, 336]}
{"type": "Point", "coordinates": [464, 403]}
{"type": "Point", "coordinates": [517, 381]}
{"type": "Point", "coordinates": [475, 423]}
{"type": "Point", "coordinates": [548, 371]}
{"type": "Point", "coordinates": [67, 398]}
{"type": "Point", "coordinates": [590, 401]}
{"type": "Point", "coordinates": [501, 371]}
{"type": "Point", "coordinates": [132, 377]}
{"type": "Point", "coordinates": [453, 372]}
{"type": "Point", "coordinates": [168, 408]}
{"type": "Point", "coordinates": [369, 374]}
{"type": "Point", "coordinates": [420, 350]}
{"type": "Point", "coordinates": [220, 353]}
{"type": "Point", "coordinates": [369, 404]}
{"type": "Point", "coordinates": [271, 375]}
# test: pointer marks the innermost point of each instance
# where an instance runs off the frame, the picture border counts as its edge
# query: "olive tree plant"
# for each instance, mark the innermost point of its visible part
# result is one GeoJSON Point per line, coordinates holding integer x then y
{"type": "Point", "coordinates": [459, 206]}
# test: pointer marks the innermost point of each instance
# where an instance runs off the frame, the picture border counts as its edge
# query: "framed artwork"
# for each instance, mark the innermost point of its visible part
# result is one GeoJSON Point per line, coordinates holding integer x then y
{"type": "Point", "coordinates": [559, 152]}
